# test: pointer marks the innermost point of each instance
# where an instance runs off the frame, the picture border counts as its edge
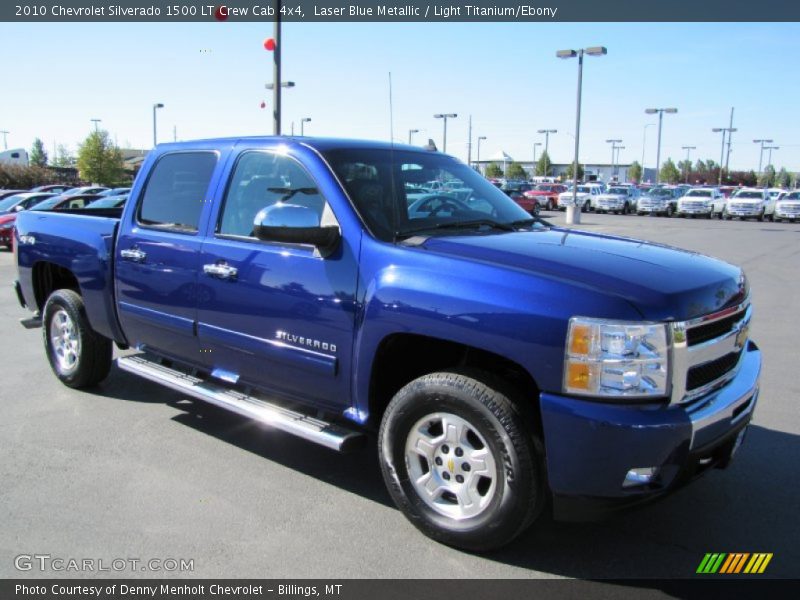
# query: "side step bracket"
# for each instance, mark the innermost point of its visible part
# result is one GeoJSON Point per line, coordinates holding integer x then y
{"type": "Point", "coordinates": [330, 435]}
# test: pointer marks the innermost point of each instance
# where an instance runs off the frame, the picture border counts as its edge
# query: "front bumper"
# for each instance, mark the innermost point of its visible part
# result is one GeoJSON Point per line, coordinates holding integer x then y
{"type": "Point", "coordinates": [744, 212]}
{"type": "Point", "coordinates": [5, 236]}
{"type": "Point", "coordinates": [692, 210]}
{"type": "Point", "coordinates": [784, 214]}
{"type": "Point", "coordinates": [591, 446]}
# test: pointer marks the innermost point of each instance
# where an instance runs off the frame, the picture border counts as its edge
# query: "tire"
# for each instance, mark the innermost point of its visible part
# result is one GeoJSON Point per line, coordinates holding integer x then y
{"type": "Point", "coordinates": [78, 355]}
{"type": "Point", "coordinates": [761, 217]}
{"type": "Point", "coordinates": [490, 430]}
{"type": "Point", "coordinates": [776, 219]}
{"type": "Point", "coordinates": [670, 211]}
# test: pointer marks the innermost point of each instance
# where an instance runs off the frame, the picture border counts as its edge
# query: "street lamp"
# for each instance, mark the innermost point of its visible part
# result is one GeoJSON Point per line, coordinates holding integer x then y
{"type": "Point", "coordinates": [445, 117]}
{"type": "Point", "coordinates": [302, 122]}
{"type": "Point", "coordinates": [574, 211]}
{"type": "Point", "coordinates": [547, 133]}
{"type": "Point", "coordinates": [660, 111]}
{"type": "Point", "coordinates": [688, 160]}
{"type": "Point", "coordinates": [155, 107]}
{"type": "Point", "coordinates": [644, 145]}
{"type": "Point", "coordinates": [5, 139]}
{"type": "Point", "coordinates": [534, 155]}
{"type": "Point", "coordinates": [724, 130]}
{"type": "Point", "coordinates": [480, 137]}
{"type": "Point", "coordinates": [95, 121]}
{"type": "Point", "coordinates": [613, 154]}
{"type": "Point", "coordinates": [410, 133]}
{"type": "Point", "coordinates": [761, 154]}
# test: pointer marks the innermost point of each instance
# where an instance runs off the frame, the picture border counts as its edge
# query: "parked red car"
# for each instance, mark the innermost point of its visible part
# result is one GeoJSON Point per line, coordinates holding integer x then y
{"type": "Point", "coordinates": [7, 229]}
{"type": "Point", "coordinates": [545, 194]}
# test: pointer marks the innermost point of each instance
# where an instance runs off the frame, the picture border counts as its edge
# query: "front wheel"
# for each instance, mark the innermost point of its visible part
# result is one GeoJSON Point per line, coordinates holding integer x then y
{"type": "Point", "coordinates": [78, 355]}
{"type": "Point", "coordinates": [460, 460]}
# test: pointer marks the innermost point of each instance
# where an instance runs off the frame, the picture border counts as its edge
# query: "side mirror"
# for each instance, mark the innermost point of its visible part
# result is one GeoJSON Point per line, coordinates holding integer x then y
{"type": "Point", "coordinates": [19, 208]}
{"type": "Point", "coordinates": [293, 224]}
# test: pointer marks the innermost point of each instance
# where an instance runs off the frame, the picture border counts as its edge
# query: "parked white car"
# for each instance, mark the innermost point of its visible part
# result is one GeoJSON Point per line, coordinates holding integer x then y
{"type": "Point", "coordinates": [750, 203]}
{"type": "Point", "coordinates": [586, 195]}
{"type": "Point", "coordinates": [788, 207]}
{"type": "Point", "coordinates": [617, 199]}
{"type": "Point", "coordinates": [701, 201]}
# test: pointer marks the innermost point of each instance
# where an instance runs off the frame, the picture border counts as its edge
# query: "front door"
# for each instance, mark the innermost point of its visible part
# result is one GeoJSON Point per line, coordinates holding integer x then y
{"type": "Point", "coordinates": [272, 315]}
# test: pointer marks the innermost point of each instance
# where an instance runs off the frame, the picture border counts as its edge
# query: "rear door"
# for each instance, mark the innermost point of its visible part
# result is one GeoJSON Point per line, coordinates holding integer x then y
{"type": "Point", "coordinates": [158, 253]}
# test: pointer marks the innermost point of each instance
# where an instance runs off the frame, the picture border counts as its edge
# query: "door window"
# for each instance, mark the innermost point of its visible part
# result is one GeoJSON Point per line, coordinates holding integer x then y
{"type": "Point", "coordinates": [175, 192]}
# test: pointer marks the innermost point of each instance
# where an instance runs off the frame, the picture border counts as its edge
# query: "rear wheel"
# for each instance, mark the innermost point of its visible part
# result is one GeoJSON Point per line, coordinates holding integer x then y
{"type": "Point", "coordinates": [460, 460]}
{"type": "Point", "coordinates": [78, 355]}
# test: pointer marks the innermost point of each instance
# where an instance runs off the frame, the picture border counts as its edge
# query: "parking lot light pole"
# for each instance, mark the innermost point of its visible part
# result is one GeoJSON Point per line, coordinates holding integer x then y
{"type": "Point", "coordinates": [644, 145]}
{"type": "Point", "coordinates": [303, 121]}
{"type": "Point", "coordinates": [573, 210]}
{"type": "Point", "coordinates": [5, 139]}
{"type": "Point", "coordinates": [660, 111]}
{"type": "Point", "coordinates": [480, 137]}
{"type": "Point", "coordinates": [547, 133]}
{"type": "Point", "coordinates": [613, 154]}
{"type": "Point", "coordinates": [688, 159]}
{"type": "Point", "coordinates": [724, 130]}
{"type": "Point", "coordinates": [96, 121]}
{"type": "Point", "coordinates": [411, 132]}
{"type": "Point", "coordinates": [445, 116]}
{"type": "Point", "coordinates": [533, 170]}
{"type": "Point", "coordinates": [156, 106]}
{"type": "Point", "coordinates": [761, 153]}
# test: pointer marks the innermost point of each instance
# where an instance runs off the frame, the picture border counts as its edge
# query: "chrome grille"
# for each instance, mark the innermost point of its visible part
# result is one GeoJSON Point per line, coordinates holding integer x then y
{"type": "Point", "coordinates": [706, 351]}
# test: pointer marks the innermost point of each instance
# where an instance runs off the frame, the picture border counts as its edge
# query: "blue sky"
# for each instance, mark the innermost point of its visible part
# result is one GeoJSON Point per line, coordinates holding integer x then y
{"type": "Point", "coordinates": [211, 77]}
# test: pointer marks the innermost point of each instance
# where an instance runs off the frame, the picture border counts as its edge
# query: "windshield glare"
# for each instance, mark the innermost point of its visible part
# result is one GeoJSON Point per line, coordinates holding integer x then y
{"type": "Point", "coordinates": [758, 195]}
{"type": "Point", "coordinates": [700, 193]}
{"type": "Point", "coordinates": [618, 190]}
{"type": "Point", "coordinates": [378, 183]}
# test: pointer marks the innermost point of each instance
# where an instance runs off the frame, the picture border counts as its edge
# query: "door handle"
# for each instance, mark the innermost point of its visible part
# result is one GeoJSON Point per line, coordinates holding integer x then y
{"type": "Point", "coordinates": [133, 254]}
{"type": "Point", "coordinates": [221, 271]}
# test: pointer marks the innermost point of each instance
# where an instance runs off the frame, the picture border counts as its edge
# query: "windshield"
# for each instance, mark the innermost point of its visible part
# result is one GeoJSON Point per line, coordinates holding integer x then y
{"type": "Point", "coordinates": [585, 189]}
{"type": "Point", "coordinates": [757, 195]}
{"type": "Point", "coordinates": [10, 201]}
{"type": "Point", "coordinates": [46, 204]}
{"type": "Point", "coordinates": [377, 180]}
{"type": "Point", "coordinates": [699, 193]}
{"type": "Point", "coordinates": [660, 193]}
{"type": "Point", "coordinates": [618, 190]}
{"type": "Point", "coordinates": [792, 196]}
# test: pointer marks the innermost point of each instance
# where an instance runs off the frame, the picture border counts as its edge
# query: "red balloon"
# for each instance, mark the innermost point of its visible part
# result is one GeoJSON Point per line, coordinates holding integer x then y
{"type": "Point", "coordinates": [269, 44]}
{"type": "Point", "coordinates": [263, 105]}
{"type": "Point", "coordinates": [221, 13]}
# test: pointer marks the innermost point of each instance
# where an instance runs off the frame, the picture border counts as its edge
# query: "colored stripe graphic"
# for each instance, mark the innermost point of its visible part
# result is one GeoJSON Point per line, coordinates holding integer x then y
{"type": "Point", "coordinates": [733, 563]}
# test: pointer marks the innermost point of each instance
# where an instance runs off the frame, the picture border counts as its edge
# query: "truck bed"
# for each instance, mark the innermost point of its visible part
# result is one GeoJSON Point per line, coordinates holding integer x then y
{"type": "Point", "coordinates": [80, 241]}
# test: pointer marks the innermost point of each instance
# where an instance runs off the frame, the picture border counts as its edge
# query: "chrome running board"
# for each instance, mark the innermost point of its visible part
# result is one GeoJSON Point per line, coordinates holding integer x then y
{"type": "Point", "coordinates": [309, 428]}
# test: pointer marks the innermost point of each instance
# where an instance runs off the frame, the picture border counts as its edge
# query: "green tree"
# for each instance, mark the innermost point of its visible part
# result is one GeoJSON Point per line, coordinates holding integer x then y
{"type": "Point", "coordinates": [568, 174]}
{"type": "Point", "coordinates": [63, 157]}
{"type": "Point", "coordinates": [38, 156]}
{"type": "Point", "coordinates": [543, 165]}
{"type": "Point", "coordinates": [493, 170]}
{"type": "Point", "coordinates": [783, 179]}
{"type": "Point", "coordinates": [635, 172]}
{"type": "Point", "coordinates": [767, 178]}
{"type": "Point", "coordinates": [669, 172]}
{"type": "Point", "coordinates": [516, 171]}
{"type": "Point", "coordinates": [99, 160]}
{"type": "Point", "coordinates": [700, 166]}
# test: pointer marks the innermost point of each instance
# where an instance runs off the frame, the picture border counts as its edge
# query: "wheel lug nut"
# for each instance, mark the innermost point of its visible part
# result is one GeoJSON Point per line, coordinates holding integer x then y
{"type": "Point", "coordinates": [445, 449]}
{"type": "Point", "coordinates": [438, 461]}
{"type": "Point", "coordinates": [466, 467]}
{"type": "Point", "coordinates": [459, 452]}
{"type": "Point", "coordinates": [446, 476]}
{"type": "Point", "coordinates": [459, 479]}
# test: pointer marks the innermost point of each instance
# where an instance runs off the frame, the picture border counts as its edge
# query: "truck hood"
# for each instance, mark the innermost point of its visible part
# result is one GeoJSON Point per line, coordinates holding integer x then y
{"type": "Point", "coordinates": [661, 282]}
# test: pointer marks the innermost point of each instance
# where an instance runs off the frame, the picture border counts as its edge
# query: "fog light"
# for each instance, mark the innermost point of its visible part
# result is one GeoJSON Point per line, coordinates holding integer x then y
{"type": "Point", "coordinates": [640, 476]}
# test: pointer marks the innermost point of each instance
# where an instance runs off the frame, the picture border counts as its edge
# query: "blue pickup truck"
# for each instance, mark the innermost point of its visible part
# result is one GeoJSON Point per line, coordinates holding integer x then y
{"type": "Point", "coordinates": [334, 290]}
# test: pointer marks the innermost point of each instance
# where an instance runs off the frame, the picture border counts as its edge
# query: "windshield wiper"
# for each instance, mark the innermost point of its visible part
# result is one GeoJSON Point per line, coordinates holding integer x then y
{"type": "Point", "coordinates": [474, 223]}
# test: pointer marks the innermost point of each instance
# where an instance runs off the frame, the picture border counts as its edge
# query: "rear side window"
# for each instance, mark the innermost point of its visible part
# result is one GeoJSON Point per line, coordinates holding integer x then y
{"type": "Point", "coordinates": [175, 192]}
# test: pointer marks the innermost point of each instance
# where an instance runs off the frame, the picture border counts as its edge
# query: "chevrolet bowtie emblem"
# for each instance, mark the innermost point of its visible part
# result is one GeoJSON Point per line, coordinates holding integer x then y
{"type": "Point", "coordinates": [451, 465]}
{"type": "Point", "coordinates": [741, 336]}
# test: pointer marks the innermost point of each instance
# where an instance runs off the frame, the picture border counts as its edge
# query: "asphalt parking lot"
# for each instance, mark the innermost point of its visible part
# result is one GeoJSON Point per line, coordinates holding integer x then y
{"type": "Point", "coordinates": [132, 470]}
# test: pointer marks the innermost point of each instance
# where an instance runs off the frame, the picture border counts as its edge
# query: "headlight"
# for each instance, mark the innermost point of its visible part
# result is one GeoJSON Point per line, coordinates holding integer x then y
{"type": "Point", "coordinates": [616, 358]}
{"type": "Point", "coordinates": [5, 226]}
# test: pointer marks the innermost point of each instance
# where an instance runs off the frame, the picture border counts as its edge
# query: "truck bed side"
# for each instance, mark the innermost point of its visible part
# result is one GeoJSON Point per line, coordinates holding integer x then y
{"type": "Point", "coordinates": [56, 249]}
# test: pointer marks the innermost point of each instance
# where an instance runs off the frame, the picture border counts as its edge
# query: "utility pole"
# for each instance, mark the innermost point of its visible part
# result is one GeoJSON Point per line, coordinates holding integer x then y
{"type": "Point", "coordinates": [5, 139]}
